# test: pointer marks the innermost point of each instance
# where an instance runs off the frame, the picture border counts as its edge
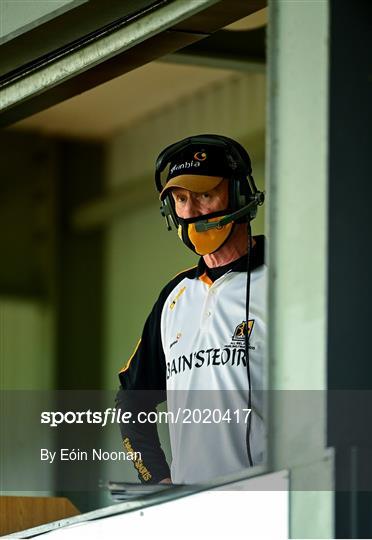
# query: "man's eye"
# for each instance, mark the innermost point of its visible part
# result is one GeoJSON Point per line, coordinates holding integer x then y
{"type": "Point", "coordinates": [206, 195]}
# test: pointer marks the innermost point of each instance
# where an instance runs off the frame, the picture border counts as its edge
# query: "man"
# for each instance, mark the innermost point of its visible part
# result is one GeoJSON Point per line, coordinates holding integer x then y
{"type": "Point", "coordinates": [197, 349]}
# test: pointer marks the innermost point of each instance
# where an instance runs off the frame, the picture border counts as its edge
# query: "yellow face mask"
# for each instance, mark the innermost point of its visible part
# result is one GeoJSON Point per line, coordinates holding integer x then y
{"type": "Point", "coordinates": [204, 242]}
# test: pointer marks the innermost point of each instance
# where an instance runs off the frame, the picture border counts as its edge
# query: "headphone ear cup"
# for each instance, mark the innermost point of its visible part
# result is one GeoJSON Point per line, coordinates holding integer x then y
{"type": "Point", "coordinates": [242, 196]}
{"type": "Point", "coordinates": [237, 197]}
{"type": "Point", "coordinates": [242, 193]}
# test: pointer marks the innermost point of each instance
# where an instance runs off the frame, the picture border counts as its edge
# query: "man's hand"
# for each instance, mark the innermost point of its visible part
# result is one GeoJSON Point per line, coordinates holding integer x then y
{"type": "Point", "coordinates": [165, 481]}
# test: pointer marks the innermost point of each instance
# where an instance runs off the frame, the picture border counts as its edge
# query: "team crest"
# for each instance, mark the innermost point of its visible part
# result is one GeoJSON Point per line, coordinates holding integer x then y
{"type": "Point", "coordinates": [240, 330]}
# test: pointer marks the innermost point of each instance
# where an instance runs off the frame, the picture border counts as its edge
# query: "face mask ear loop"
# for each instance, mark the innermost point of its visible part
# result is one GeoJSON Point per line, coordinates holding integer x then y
{"type": "Point", "coordinates": [246, 337]}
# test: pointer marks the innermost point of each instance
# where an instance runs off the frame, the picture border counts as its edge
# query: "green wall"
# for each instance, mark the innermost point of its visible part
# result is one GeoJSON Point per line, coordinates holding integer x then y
{"type": "Point", "coordinates": [75, 301]}
{"type": "Point", "coordinates": [51, 297]}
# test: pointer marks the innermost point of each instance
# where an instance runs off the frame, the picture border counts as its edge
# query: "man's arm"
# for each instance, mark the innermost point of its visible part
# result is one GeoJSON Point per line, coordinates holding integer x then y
{"type": "Point", "coordinates": [143, 387]}
{"type": "Point", "coordinates": [141, 438]}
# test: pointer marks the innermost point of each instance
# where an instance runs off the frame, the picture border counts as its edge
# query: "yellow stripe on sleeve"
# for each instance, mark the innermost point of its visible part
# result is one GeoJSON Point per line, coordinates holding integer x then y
{"type": "Point", "coordinates": [126, 367]}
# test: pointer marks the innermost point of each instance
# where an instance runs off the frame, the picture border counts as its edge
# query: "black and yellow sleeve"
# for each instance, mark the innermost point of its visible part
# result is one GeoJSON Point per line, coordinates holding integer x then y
{"type": "Point", "coordinates": [143, 387]}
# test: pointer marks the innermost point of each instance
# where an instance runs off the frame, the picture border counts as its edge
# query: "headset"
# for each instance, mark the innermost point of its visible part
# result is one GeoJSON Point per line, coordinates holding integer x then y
{"type": "Point", "coordinates": [244, 199]}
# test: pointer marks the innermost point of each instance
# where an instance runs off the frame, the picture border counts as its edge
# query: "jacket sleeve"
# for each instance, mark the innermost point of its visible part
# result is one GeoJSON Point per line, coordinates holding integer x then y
{"type": "Point", "coordinates": [143, 387]}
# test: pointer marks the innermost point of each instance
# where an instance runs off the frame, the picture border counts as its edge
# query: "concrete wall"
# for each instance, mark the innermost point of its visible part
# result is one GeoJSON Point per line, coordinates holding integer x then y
{"type": "Point", "coordinates": [27, 312]}
{"type": "Point", "coordinates": [50, 300]}
{"type": "Point", "coordinates": [27, 344]}
{"type": "Point", "coordinates": [298, 190]}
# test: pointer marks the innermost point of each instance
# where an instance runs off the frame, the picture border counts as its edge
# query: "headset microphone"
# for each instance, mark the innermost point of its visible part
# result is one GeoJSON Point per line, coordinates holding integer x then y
{"type": "Point", "coordinates": [202, 226]}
